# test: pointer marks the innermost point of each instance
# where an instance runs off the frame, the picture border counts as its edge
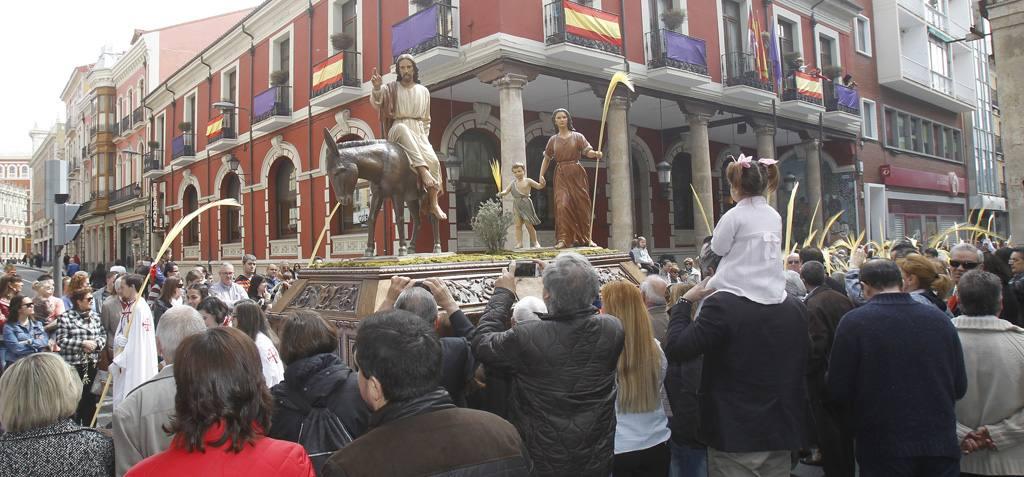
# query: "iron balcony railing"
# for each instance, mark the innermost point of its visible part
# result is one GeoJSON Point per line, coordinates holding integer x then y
{"type": "Point", "coordinates": [86, 206]}
{"type": "Point", "coordinates": [555, 30]}
{"type": "Point", "coordinates": [126, 124]}
{"type": "Point", "coordinates": [183, 145]}
{"type": "Point", "coordinates": [790, 91]}
{"type": "Point", "coordinates": [137, 116]}
{"type": "Point", "coordinates": [335, 72]}
{"type": "Point", "coordinates": [269, 103]}
{"type": "Point", "coordinates": [667, 48]}
{"type": "Point", "coordinates": [125, 194]}
{"type": "Point", "coordinates": [221, 127]}
{"type": "Point", "coordinates": [426, 29]}
{"type": "Point", "coordinates": [152, 160]}
{"type": "Point", "coordinates": [841, 98]}
{"type": "Point", "coordinates": [739, 70]}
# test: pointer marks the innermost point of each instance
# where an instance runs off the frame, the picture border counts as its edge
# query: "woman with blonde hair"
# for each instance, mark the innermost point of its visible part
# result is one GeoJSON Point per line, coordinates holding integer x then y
{"type": "Point", "coordinates": [38, 395]}
{"type": "Point", "coordinates": [641, 430]}
{"type": "Point", "coordinates": [924, 282]}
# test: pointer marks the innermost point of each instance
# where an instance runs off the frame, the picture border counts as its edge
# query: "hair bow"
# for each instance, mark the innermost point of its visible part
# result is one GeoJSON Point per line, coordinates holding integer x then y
{"type": "Point", "coordinates": [746, 160]}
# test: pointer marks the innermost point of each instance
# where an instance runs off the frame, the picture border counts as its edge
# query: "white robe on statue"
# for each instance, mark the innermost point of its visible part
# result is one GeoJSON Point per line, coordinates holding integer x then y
{"type": "Point", "coordinates": [411, 127]}
{"type": "Point", "coordinates": [137, 362]}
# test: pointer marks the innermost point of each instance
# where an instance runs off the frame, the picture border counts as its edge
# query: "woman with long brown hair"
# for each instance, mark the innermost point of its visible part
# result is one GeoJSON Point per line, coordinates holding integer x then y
{"type": "Point", "coordinates": [924, 282]}
{"type": "Point", "coordinates": [641, 430]}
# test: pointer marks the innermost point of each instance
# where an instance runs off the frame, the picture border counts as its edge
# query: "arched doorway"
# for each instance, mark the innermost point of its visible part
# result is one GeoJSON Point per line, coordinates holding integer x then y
{"type": "Point", "coordinates": [191, 204]}
{"type": "Point", "coordinates": [543, 199]}
{"type": "Point", "coordinates": [230, 217]}
{"type": "Point", "coordinates": [284, 211]}
{"type": "Point", "coordinates": [476, 148]}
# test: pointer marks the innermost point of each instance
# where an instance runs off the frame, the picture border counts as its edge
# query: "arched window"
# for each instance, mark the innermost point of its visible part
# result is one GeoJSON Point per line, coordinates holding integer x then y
{"type": "Point", "coordinates": [12, 171]}
{"type": "Point", "coordinates": [351, 218]}
{"type": "Point", "coordinates": [230, 217]}
{"type": "Point", "coordinates": [476, 148]}
{"type": "Point", "coordinates": [24, 171]}
{"type": "Point", "coordinates": [284, 204]}
{"type": "Point", "coordinates": [682, 196]}
{"type": "Point", "coordinates": [191, 236]}
{"type": "Point", "coordinates": [543, 199]}
{"type": "Point", "coordinates": [131, 103]}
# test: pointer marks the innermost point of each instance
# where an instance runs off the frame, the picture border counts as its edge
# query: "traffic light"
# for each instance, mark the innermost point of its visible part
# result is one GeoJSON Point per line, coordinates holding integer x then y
{"type": "Point", "coordinates": [64, 216]}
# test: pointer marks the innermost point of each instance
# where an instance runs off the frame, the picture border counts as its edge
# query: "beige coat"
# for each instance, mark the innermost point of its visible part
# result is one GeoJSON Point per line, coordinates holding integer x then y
{"type": "Point", "coordinates": [994, 358]}
{"type": "Point", "coordinates": [139, 420]}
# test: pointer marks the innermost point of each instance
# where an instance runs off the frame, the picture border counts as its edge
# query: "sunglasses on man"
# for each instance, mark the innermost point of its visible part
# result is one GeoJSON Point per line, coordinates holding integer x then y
{"type": "Point", "coordinates": [965, 265]}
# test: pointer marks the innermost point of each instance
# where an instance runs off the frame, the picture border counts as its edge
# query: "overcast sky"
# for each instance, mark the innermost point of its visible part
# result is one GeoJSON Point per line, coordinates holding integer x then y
{"type": "Point", "coordinates": [45, 39]}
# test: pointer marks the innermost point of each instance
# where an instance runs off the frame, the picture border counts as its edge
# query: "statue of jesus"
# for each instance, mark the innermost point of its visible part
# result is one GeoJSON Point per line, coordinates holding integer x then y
{"type": "Point", "coordinates": [404, 107]}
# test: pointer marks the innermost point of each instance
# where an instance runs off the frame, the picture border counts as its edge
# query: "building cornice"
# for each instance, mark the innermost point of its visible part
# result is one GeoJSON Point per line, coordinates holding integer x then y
{"type": "Point", "coordinates": [838, 14]}
{"type": "Point", "coordinates": [130, 63]}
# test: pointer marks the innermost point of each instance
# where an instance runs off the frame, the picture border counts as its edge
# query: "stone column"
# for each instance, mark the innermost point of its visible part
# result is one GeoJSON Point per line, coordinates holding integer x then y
{"type": "Point", "coordinates": [1007, 18]}
{"type": "Point", "coordinates": [620, 201]}
{"type": "Point", "coordinates": [513, 135]}
{"type": "Point", "coordinates": [813, 180]}
{"type": "Point", "coordinates": [700, 160]}
{"type": "Point", "coordinates": [766, 148]}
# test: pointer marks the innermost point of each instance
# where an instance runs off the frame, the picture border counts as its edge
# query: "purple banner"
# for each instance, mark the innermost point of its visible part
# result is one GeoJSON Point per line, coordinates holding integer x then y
{"type": "Point", "coordinates": [263, 103]}
{"type": "Point", "coordinates": [178, 146]}
{"type": "Point", "coordinates": [847, 97]}
{"type": "Point", "coordinates": [685, 49]}
{"type": "Point", "coordinates": [413, 30]}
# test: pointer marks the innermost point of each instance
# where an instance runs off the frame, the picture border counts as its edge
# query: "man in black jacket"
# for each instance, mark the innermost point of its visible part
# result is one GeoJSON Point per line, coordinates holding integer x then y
{"type": "Point", "coordinates": [825, 308]}
{"type": "Point", "coordinates": [457, 364]}
{"type": "Point", "coordinates": [415, 429]}
{"type": "Point", "coordinates": [753, 392]}
{"type": "Point", "coordinates": [562, 368]}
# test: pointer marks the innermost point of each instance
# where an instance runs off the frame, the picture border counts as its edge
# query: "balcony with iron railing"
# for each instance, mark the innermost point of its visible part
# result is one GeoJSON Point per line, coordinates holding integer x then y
{"type": "Point", "coordinates": [138, 116]}
{"type": "Point", "coordinates": [270, 109]}
{"type": "Point", "coordinates": [429, 35]}
{"type": "Point", "coordinates": [152, 163]}
{"type": "Point", "coordinates": [802, 94]}
{"type": "Point", "coordinates": [126, 124]}
{"type": "Point", "coordinates": [336, 80]}
{"type": "Point", "coordinates": [843, 99]}
{"type": "Point", "coordinates": [220, 132]}
{"type": "Point", "coordinates": [125, 194]}
{"type": "Point", "coordinates": [677, 59]}
{"type": "Point", "coordinates": [743, 80]}
{"type": "Point", "coordinates": [581, 34]}
{"type": "Point", "coordinates": [183, 147]}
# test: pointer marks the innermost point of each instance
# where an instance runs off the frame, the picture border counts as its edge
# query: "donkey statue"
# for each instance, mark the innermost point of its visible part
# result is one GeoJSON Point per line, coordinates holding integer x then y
{"type": "Point", "coordinates": [387, 169]}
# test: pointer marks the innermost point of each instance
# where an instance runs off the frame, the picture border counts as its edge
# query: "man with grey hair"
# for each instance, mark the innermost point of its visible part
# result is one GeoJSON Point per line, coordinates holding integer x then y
{"type": "Point", "coordinates": [139, 419]}
{"type": "Point", "coordinates": [991, 414]}
{"type": "Point", "coordinates": [225, 288]}
{"type": "Point", "coordinates": [422, 299]}
{"type": "Point", "coordinates": [654, 289]}
{"type": "Point", "coordinates": [563, 368]}
{"type": "Point", "coordinates": [965, 257]}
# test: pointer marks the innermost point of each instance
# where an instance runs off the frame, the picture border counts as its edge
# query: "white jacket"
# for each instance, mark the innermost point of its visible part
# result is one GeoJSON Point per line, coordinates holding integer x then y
{"type": "Point", "coordinates": [994, 358]}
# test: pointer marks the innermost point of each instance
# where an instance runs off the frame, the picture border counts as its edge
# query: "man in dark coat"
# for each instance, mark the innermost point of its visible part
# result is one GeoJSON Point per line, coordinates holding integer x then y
{"type": "Point", "coordinates": [825, 308]}
{"type": "Point", "coordinates": [562, 369]}
{"type": "Point", "coordinates": [457, 363]}
{"type": "Point", "coordinates": [753, 391]}
{"type": "Point", "coordinates": [415, 429]}
{"type": "Point", "coordinates": [897, 364]}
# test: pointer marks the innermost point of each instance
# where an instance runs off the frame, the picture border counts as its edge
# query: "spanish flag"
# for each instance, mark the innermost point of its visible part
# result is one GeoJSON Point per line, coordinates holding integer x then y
{"type": "Point", "coordinates": [807, 85]}
{"type": "Point", "coordinates": [329, 71]}
{"type": "Point", "coordinates": [592, 24]}
{"type": "Point", "coordinates": [215, 126]}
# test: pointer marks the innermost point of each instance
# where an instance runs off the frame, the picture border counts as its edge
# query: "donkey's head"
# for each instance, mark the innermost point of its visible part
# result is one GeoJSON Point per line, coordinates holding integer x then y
{"type": "Point", "coordinates": [343, 171]}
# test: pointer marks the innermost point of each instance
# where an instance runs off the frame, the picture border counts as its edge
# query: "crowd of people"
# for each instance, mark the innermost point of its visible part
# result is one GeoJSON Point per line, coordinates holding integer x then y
{"type": "Point", "coordinates": [735, 363]}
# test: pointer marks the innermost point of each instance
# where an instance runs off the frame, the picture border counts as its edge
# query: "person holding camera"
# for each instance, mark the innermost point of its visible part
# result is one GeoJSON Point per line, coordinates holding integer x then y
{"type": "Point", "coordinates": [566, 358]}
{"type": "Point", "coordinates": [422, 298]}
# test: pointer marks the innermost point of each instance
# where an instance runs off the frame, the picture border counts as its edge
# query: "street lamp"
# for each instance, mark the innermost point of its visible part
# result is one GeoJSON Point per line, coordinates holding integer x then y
{"type": "Point", "coordinates": [224, 107]}
{"type": "Point", "coordinates": [789, 182]}
{"type": "Point", "coordinates": [664, 177]}
{"type": "Point", "coordinates": [453, 165]}
{"type": "Point", "coordinates": [233, 164]}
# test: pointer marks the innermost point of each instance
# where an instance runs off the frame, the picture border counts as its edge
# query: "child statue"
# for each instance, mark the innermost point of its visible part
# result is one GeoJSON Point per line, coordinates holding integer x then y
{"type": "Point", "coordinates": [522, 204]}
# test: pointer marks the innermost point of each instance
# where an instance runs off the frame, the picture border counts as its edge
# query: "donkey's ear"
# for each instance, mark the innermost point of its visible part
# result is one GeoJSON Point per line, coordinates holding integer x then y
{"type": "Point", "coordinates": [329, 140]}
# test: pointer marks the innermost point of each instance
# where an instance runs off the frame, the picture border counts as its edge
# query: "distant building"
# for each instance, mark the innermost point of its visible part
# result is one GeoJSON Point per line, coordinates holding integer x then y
{"type": "Point", "coordinates": [15, 183]}
{"type": "Point", "coordinates": [46, 145]}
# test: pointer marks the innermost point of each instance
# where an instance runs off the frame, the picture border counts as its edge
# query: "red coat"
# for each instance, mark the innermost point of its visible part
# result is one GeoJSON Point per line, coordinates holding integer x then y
{"type": "Point", "coordinates": [266, 458]}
